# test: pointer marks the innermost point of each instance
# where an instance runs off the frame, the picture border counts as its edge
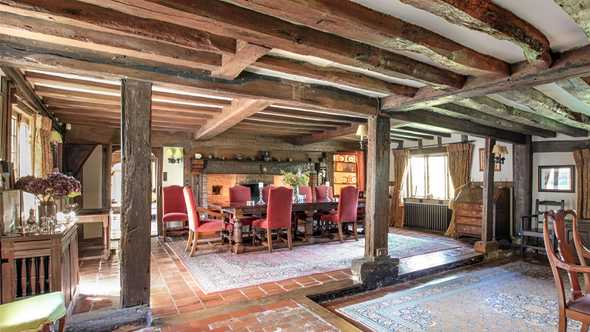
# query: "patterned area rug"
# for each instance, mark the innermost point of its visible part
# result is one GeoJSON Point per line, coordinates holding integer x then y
{"type": "Point", "coordinates": [514, 297]}
{"type": "Point", "coordinates": [217, 271]}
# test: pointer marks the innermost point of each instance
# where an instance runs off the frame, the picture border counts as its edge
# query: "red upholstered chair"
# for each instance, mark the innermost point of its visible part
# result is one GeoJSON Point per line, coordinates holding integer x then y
{"type": "Point", "coordinates": [174, 208]}
{"type": "Point", "coordinates": [323, 194]}
{"type": "Point", "coordinates": [278, 215]}
{"type": "Point", "coordinates": [197, 226]}
{"type": "Point", "coordinates": [265, 192]}
{"type": "Point", "coordinates": [347, 210]}
{"type": "Point", "coordinates": [306, 190]}
{"type": "Point", "coordinates": [239, 195]}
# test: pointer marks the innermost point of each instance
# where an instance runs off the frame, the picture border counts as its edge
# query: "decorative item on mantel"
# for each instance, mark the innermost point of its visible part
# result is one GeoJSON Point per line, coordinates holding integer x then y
{"type": "Point", "coordinates": [47, 191]}
{"type": "Point", "coordinates": [295, 180]}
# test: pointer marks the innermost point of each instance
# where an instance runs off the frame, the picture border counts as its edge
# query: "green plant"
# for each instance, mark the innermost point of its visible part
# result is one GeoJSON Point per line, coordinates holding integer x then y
{"type": "Point", "coordinates": [295, 179]}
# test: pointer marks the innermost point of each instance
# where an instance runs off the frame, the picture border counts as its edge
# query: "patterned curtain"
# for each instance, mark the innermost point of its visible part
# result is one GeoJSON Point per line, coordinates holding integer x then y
{"type": "Point", "coordinates": [582, 158]}
{"type": "Point", "coordinates": [460, 156]}
{"type": "Point", "coordinates": [43, 155]}
{"type": "Point", "coordinates": [400, 164]}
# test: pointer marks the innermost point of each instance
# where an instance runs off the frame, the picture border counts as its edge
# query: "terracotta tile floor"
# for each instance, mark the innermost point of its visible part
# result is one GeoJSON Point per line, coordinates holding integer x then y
{"type": "Point", "coordinates": [174, 294]}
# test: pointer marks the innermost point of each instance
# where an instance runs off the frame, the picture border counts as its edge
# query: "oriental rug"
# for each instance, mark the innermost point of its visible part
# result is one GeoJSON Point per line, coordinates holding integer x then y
{"type": "Point", "coordinates": [220, 270]}
{"type": "Point", "coordinates": [517, 296]}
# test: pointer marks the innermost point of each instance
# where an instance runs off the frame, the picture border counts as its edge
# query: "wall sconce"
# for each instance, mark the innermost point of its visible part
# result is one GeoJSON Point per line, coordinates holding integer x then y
{"type": "Point", "coordinates": [499, 152]}
{"type": "Point", "coordinates": [361, 133]}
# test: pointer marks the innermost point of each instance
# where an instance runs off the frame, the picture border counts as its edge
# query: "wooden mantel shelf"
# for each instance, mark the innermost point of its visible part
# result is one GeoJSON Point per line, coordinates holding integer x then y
{"type": "Point", "coordinates": [214, 166]}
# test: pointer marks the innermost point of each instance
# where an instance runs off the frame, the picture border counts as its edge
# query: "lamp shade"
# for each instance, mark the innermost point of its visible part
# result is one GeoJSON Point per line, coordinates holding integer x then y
{"type": "Point", "coordinates": [361, 131]}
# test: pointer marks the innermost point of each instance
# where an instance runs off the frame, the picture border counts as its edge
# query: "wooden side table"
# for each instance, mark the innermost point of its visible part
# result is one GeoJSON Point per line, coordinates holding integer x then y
{"type": "Point", "coordinates": [105, 219]}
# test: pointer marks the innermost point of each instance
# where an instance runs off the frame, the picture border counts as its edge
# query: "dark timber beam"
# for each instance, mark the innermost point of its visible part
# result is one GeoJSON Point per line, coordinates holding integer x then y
{"type": "Point", "coordinates": [234, 64]}
{"type": "Point", "coordinates": [560, 146]}
{"type": "Point", "coordinates": [487, 17]}
{"type": "Point", "coordinates": [377, 268]}
{"type": "Point", "coordinates": [490, 120]}
{"type": "Point", "coordinates": [407, 138]}
{"type": "Point", "coordinates": [136, 192]}
{"type": "Point", "coordinates": [239, 23]}
{"type": "Point", "coordinates": [47, 56]}
{"type": "Point", "coordinates": [568, 64]}
{"type": "Point", "coordinates": [410, 129]}
{"type": "Point", "coordinates": [332, 75]}
{"type": "Point", "coordinates": [488, 242]}
{"type": "Point", "coordinates": [523, 181]}
{"type": "Point", "coordinates": [326, 135]}
{"type": "Point", "coordinates": [458, 125]}
{"type": "Point", "coordinates": [495, 108]}
{"type": "Point", "coordinates": [577, 87]}
{"type": "Point", "coordinates": [579, 10]}
{"type": "Point", "coordinates": [359, 23]}
{"type": "Point", "coordinates": [411, 135]}
{"type": "Point", "coordinates": [5, 115]}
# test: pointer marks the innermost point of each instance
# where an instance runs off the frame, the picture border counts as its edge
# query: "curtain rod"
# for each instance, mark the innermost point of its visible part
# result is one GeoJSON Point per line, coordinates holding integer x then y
{"type": "Point", "coordinates": [431, 146]}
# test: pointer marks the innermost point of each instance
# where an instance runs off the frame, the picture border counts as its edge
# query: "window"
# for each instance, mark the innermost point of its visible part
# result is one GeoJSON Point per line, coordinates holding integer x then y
{"type": "Point", "coordinates": [428, 177]}
{"type": "Point", "coordinates": [21, 144]}
{"type": "Point", "coordinates": [556, 178]}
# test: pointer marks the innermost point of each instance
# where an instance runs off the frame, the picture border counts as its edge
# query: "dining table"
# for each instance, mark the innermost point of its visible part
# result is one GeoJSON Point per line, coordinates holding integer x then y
{"type": "Point", "coordinates": [236, 212]}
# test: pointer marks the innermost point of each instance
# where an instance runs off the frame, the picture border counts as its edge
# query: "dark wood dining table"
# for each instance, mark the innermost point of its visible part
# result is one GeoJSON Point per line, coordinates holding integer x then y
{"type": "Point", "coordinates": [236, 212]}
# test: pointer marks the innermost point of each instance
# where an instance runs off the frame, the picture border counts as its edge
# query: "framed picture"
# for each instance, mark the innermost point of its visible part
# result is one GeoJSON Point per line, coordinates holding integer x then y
{"type": "Point", "coordinates": [561, 178]}
{"type": "Point", "coordinates": [482, 162]}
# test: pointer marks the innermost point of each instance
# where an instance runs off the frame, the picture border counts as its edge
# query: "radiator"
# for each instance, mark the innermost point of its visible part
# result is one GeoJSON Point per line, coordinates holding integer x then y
{"type": "Point", "coordinates": [431, 215]}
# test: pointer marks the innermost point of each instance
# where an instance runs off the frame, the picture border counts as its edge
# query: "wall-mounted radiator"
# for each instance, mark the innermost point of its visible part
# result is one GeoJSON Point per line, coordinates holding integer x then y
{"type": "Point", "coordinates": [427, 214]}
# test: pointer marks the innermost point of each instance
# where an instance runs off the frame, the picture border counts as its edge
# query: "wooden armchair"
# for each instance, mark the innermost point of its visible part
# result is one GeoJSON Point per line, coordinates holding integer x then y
{"type": "Point", "coordinates": [577, 307]}
{"type": "Point", "coordinates": [531, 232]}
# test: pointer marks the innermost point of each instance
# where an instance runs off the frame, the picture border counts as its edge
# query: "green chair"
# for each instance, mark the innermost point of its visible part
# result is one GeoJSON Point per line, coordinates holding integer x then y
{"type": "Point", "coordinates": [35, 313]}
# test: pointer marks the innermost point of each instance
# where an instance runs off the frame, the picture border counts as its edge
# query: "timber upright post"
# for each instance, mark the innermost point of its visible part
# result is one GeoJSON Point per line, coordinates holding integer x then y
{"type": "Point", "coordinates": [136, 99]}
{"type": "Point", "coordinates": [377, 269]}
{"type": "Point", "coordinates": [488, 242]}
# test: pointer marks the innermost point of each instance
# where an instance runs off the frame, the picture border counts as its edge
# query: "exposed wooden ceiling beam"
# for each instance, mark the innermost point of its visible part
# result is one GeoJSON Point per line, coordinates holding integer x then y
{"type": "Point", "coordinates": [326, 135]}
{"type": "Point", "coordinates": [579, 10]}
{"type": "Point", "coordinates": [243, 24]}
{"type": "Point", "coordinates": [458, 125]}
{"type": "Point", "coordinates": [410, 129]}
{"type": "Point", "coordinates": [474, 115]}
{"type": "Point", "coordinates": [86, 16]}
{"type": "Point", "coordinates": [545, 106]}
{"type": "Point", "coordinates": [263, 117]}
{"type": "Point", "coordinates": [112, 43]}
{"type": "Point", "coordinates": [404, 137]}
{"type": "Point", "coordinates": [46, 56]}
{"type": "Point", "coordinates": [231, 115]}
{"type": "Point", "coordinates": [294, 114]}
{"type": "Point", "coordinates": [572, 63]}
{"type": "Point", "coordinates": [495, 108]}
{"type": "Point", "coordinates": [332, 75]}
{"type": "Point", "coordinates": [405, 134]}
{"type": "Point", "coordinates": [578, 87]}
{"type": "Point", "coordinates": [487, 17]}
{"type": "Point", "coordinates": [158, 113]}
{"type": "Point", "coordinates": [359, 23]}
{"type": "Point", "coordinates": [234, 64]}
{"type": "Point", "coordinates": [26, 89]}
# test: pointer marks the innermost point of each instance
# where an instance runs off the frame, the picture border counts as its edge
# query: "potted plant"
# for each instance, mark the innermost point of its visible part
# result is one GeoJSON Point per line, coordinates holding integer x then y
{"type": "Point", "coordinates": [47, 190]}
{"type": "Point", "coordinates": [295, 180]}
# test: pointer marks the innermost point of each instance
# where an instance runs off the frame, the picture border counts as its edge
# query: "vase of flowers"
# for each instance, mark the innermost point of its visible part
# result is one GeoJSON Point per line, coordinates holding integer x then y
{"type": "Point", "coordinates": [295, 180]}
{"type": "Point", "coordinates": [48, 190]}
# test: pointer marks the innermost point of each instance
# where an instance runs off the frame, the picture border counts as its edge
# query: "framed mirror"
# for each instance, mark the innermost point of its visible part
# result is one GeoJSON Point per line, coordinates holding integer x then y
{"type": "Point", "coordinates": [557, 179]}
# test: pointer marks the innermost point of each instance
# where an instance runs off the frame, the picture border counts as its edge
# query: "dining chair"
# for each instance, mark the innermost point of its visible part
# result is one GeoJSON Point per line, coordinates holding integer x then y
{"type": "Point", "coordinates": [174, 209]}
{"type": "Point", "coordinates": [278, 215]}
{"type": "Point", "coordinates": [239, 195]}
{"type": "Point", "coordinates": [323, 194]}
{"type": "Point", "coordinates": [306, 191]}
{"type": "Point", "coordinates": [577, 307]}
{"type": "Point", "coordinates": [197, 226]}
{"type": "Point", "coordinates": [265, 192]}
{"type": "Point", "coordinates": [346, 212]}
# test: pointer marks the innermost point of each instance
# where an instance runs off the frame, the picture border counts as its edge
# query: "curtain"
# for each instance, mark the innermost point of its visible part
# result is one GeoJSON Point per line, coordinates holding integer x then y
{"type": "Point", "coordinates": [360, 170]}
{"type": "Point", "coordinates": [459, 161]}
{"type": "Point", "coordinates": [44, 133]}
{"type": "Point", "coordinates": [582, 159]}
{"type": "Point", "coordinates": [25, 164]}
{"type": "Point", "coordinates": [400, 167]}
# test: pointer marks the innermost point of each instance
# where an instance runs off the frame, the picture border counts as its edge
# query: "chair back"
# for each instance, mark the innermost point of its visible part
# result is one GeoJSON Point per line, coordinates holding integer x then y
{"type": "Point", "coordinates": [323, 194]}
{"type": "Point", "coordinates": [172, 200]}
{"type": "Point", "coordinates": [265, 192]}
{"type": "Point", "coordinates": [544, 206]}
{"type": "Point", "coordinates": [279, 207]}
{"type": "Point", "coordinates": [194, 221]}
{"type": "Point", "coordinates": [564, 258]}
{"type": "Point", "coordinates": [239, 195]}
{"type": "Point", "coordinates": [306, 191]}
{"type": "Point", "coordinates": [348, 204]}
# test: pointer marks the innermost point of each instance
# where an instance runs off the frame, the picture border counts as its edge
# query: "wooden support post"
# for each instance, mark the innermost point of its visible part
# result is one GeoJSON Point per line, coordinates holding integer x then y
{"type": "Point", "coordinates": [523, 181]}
{"type": "Point", "coordinates": [159, 154]}
{"type": "Point", "coordinates": [5, 110]}
{"type": "Point", "coordinates": [377, 268]}
{"type": "Point", "coordinates": [136, 192]}
{"type": "Point", "coordinates": [488, 243]}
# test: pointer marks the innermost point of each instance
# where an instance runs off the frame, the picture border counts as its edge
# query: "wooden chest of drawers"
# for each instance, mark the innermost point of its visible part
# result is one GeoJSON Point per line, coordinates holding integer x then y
{"type": "Point", "coordinates": [468, 215]}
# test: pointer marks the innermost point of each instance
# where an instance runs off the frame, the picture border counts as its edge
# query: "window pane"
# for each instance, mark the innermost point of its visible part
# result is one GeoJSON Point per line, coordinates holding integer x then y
{"type": "Point", "coordinates": [418, 173]}
{"type": "Point", "coordinates": [437, 177]}
{"type": "Point", "coordinates": [564, 178]}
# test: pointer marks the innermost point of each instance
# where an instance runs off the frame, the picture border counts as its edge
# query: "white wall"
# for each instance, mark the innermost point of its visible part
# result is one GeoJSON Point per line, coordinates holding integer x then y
{"type": "Point", "coordinates": [92, 180]}
{"type": "Point", "coordinates": [174, 172]}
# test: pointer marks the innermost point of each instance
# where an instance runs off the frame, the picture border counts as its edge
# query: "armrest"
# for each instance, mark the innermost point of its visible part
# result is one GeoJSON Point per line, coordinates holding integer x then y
{"type": "Point", "coordinates": [572, 267]}
{"type": "Point", "coordinates": [210, 212]}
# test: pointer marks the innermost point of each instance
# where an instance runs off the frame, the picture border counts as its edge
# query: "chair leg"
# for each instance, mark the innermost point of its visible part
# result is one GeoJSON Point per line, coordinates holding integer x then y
{"type": "Point", "coordinates": [290, 238]}
{"type": "Point", "coordinates": [194, 247]}
{"type": "Point", "coordinates": [340, 235]}
{"type": "Point", "coordinates": [189, 240]}
{"type": "Point", "coordinates": [62, 324]}
{"type": "Point", "coordinates": [562, 322]}
{"type": "Point", "coordinates": [269, 239]}
{"type": "Point", "coordinates": [354, 231]}
{"type": "Point", "coordinates": [164, 232]}
{"type": "Point", "coordinates": [584, 327]}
